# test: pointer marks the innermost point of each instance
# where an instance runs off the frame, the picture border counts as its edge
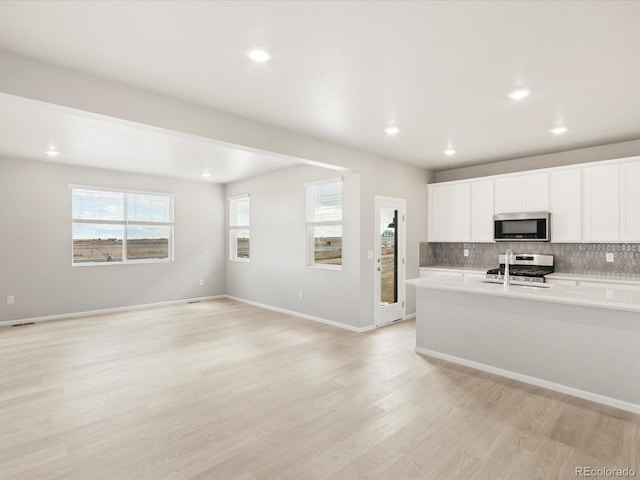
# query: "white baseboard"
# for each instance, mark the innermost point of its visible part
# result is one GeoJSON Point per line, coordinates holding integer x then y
{"type": "Point", "coordinates": [594, 397]}
{"type": "Point", "coordinates": [89, 313]}
{"type": "Point", "coordinates": [304, 316]}
{"type": "Point", "coordinates": [392, 322]}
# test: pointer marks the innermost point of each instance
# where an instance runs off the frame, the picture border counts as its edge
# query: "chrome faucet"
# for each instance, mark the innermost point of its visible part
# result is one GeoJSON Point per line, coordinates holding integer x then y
{"type": "Point", "coordinates": [507, 261]}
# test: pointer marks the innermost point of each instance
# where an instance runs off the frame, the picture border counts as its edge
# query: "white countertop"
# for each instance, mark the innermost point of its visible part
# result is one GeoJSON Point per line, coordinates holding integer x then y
{"type": "Point", "coordinates": [605, 278]}
{"type": "Point", "coordinates": [611, 298]}
{"type": "Point", "coordinates": [445, 268]}
{"type": "Point", "coordinates": [611, 278]}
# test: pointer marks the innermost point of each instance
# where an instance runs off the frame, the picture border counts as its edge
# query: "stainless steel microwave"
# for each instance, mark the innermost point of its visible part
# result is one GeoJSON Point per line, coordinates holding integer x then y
{"type": "Point", "coordinates": [522, 227]}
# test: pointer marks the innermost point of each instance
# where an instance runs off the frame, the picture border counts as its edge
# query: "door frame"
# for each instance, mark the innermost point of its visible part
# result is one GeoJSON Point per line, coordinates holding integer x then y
{"type": "Point", "coordinates": [401, 233]}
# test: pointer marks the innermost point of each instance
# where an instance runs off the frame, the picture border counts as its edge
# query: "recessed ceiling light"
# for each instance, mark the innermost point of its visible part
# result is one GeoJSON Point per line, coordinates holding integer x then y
{"type": "Point", "coordinates": [449, 152]}
{"type": "Point", "coordinates": [559, 130]}
{"type": "Point", "coordinates": [259, 55]}
{"type": "Point", "coordinates": [519, 94]}
{"type": "Point", "coordinates": [206, 173]}
{"type": "Point", "coordinates": [391, 130]}
{"type": "Point", "coordinates": [52, 153]}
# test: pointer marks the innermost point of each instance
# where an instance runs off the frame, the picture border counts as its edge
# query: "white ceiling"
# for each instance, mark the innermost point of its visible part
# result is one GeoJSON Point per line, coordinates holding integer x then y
{"type": "Point", "coordinates": [344, 71]}
{"type": "Point", "coordinates": [30, 128]}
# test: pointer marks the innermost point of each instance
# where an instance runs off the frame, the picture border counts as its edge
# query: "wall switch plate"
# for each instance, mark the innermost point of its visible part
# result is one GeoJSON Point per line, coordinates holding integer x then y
{"type": "Point", "coordinates": [370, 255]}
{"type": "Point", "coordinates": [609, 257]}
{"type": "Point", "coordinates": [201, 282]}
{"type": "Point", "coordinates": [10, 300]}
{"type": "Point", "coordinates": [300, 294]}
{"type": "Point", "coordinates": [466, 252]}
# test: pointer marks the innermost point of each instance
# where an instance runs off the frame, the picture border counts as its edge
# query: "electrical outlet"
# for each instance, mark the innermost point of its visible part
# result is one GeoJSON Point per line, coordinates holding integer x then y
{"type": "Point", "coordinates": [466, 252]}
{"type": "Point", "coordinates": [609, 257]}
{"type": "Point", "coordinates": [300, 294]}
{"type": "Point", "coordinates": [201, 282]}
{"type": "Point", "coordinates": [10, 300]}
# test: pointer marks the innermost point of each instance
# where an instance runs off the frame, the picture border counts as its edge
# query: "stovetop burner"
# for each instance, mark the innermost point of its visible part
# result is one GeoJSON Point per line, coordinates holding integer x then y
{"type": "Point", "coordinates": [524, 267]}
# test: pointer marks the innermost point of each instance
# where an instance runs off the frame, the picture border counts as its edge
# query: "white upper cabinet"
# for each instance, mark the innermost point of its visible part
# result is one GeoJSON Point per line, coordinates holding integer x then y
{"type": "Point", "coordinates": [536, 192]}
{"type": "Point", "coordinates": [597, 203]}
{"type": "Point", "coordinates": [449, 212]}
{"type": "Point", "coordinates": [601, 203]}
{"type": "Point", "coordinates": [565, 205]}
{"type": "Point", "coordinates": [522, 193]}
{"type": "Point", "coordinates": [439, 213]}
{"type": "Point", "coordinates": [461, 212]}
{"type": "Point", "coordinates": [508, 195]}
{"type": "Point", "coordinates": [482, 211]}
{"type": "Point", "coordinates": [630, 202]}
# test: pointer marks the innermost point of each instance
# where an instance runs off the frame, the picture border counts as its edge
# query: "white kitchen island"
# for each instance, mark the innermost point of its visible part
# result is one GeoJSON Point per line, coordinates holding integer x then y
{"type": "Point", "coordinates": [583, 341]}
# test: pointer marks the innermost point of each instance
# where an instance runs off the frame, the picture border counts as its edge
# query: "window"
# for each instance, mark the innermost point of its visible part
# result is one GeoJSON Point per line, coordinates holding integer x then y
{"type": "Point", "coordinates": [239, 209]}
{"type": "Point", "coordinates": [324, 223]}
{"type": "Point", "coordinates": [112, 226]}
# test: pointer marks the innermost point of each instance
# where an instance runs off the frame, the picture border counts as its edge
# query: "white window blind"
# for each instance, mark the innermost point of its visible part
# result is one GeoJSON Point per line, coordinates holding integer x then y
{"type": "Point", "coordinates": [239, 212]}
{"type": "Point", "coordinates": [97, 205]}
{"type": "Point", "coordinates": [324, 202]}
{"type": "Point", "coordinates": [148, 208]}
{"type": "Point", "coordinates": [120, 226]}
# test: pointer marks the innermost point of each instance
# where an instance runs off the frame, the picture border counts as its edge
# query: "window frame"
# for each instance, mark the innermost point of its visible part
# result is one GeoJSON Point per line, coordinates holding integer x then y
{"type": "Point", "coordinates": [125, 223]}
{"type": "Point", "coordinates": [235, 228]}
{"type": "Point", "coordinates": [310, 224]}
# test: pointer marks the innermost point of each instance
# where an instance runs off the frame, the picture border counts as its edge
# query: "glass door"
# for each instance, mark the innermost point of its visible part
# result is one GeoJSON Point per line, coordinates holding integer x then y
{"type": "Point", "coordinates": [389, 260]}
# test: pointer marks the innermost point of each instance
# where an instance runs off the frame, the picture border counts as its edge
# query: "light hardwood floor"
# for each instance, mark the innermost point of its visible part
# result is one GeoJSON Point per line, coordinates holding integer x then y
{"type": "Point", "coordinates": [224, 390]}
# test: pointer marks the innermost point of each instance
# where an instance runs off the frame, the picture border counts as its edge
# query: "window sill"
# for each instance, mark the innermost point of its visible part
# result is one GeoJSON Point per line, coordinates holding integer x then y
{"type": "Point", "coordinates": [242, 260]}
{"type": "Point", "coordinates": [129, 262]}
{"type": "Point", "coordinates": [326, 267]}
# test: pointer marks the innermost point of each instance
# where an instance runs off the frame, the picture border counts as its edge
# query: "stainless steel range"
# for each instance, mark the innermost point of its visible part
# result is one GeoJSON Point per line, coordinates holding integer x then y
{"type": "Point", "coordinates": [524, 268]}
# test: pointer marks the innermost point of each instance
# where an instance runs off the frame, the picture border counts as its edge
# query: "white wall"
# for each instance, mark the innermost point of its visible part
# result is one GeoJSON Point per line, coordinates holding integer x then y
{"type": "Point", "coordinates": [31, 79]}
{"type": "Point", "coordinates": [277, 271]}
{"type": "Point", "coordinates": [569, 157]}
{"type": "Point", "coordinates": [275, 275]}
{"type": "Point", "coordinates": [35, 214]}
{"type": "Point", "coordinates": [398, 180]}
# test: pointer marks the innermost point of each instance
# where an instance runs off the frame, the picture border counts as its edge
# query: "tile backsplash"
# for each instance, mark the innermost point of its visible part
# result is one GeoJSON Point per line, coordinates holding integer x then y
{"type": "Point", "coordinates": [583, 258]}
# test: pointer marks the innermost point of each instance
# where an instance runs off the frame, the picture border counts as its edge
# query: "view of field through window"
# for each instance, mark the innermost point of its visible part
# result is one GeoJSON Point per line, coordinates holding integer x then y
{"type": "Point", "coordinates": [388, 258]}
{"type": "Point", "coordinates": [328, 245]}
{"type": "Point", "coordinates": [242, 244]}
{"type": "Point", "coordinates": [110, 249]}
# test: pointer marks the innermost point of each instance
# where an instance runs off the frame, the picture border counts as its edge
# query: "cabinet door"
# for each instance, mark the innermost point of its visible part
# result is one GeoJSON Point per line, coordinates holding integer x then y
{"type": "Point", "coordinates": [535, 189]}
{"type": "Point", "coordinates": [566, 205]}
{"type": "Point", "coordinates": [630, 202]}
{"type": "Point", "coordinates": [522, 193]}
{"type": "Point", "coordinates": [601, 205]}
{"type": "Point", "coordinates": [508, 195]}
{"type": "Point", "coordinates": [461, 212]}
{"type": "Point", "coordinates": [482, 211]}
{"type": "Point", "coordinates": [439, 213]}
